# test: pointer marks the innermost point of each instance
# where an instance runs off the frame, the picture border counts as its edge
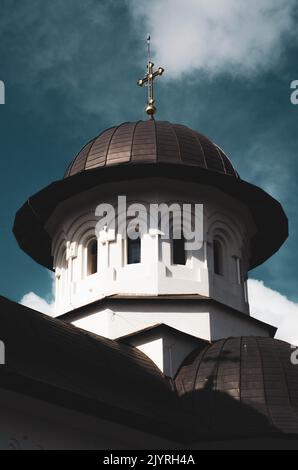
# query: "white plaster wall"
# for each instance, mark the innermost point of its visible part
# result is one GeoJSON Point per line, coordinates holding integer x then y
{"type": "Point", "coordinates": [175, 350]}
{"type": "Point", "coordinates": [202, 320]}
{"type": "Point", "coordinates": [154, 350]}
{"type": "Point", "coordinates": [167, 349]}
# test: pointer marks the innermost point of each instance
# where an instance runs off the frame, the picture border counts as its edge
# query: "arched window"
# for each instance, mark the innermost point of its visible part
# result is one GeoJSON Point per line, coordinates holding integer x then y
{"type": "Point", "coordinates": [133, 250]}
{"type": "Point", "coordinates": [178, 251]}
{"type": "Point", "coordinates": [217, 257]}
{"type": "Point", "coordinates": [92, 257]}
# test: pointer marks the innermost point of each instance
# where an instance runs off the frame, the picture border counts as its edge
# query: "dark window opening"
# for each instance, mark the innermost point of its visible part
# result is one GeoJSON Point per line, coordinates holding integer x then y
{"type": "Point", "coordinates": [92, 257]}
{"type": "Point", "coordinates": [133, 251]}
{"type": "Point", "coordinates": [178, 251]}
{"type": "Point", "coordinates": [218, 257]}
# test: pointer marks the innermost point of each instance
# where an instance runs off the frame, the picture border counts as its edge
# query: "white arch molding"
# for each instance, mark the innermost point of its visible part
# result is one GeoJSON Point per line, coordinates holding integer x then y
{"type": "Point", "coordinates": [74, 227]}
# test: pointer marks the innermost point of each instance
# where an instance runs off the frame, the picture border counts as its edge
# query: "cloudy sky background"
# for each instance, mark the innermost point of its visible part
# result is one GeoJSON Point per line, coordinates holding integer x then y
{"type": "Point", "coordinates": [70, 70]}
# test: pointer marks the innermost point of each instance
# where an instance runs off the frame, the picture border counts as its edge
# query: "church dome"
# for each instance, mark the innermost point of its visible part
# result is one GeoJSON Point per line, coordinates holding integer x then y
{"type": "Point", "coordinates": [151, 142]}
{"type": "Point", "coordinates": [241, 386]}
{"type": "Point", "coordinates": [144, 150]}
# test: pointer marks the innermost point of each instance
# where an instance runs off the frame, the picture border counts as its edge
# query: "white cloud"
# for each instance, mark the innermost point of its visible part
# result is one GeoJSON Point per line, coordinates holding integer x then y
{"type": "Point", "coordinates": [274, 308]}
{"type": "Point", "coordinates": [215, 36]}
{"type": "Point", "coordinates": [39, 304]}
{"type": "Point", "coordinates": [35, 302]}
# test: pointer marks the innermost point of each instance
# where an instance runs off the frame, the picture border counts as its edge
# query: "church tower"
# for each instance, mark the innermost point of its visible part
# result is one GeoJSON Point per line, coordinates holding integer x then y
{"type": "Point", "coordinates": [156, 292]}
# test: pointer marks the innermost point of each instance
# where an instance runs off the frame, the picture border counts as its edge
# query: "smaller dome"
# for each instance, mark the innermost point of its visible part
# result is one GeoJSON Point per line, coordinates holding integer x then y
{"type": "Point", "coordinates": [240, 387]}
{"type": "Point", "coordinates": [151, 141]}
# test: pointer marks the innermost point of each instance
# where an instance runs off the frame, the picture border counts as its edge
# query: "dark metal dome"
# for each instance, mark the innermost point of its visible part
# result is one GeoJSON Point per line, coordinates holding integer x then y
{"type": "Point", "coordinates": [241, 386]}
{"type": "Point", "coordinates": [151, 142]}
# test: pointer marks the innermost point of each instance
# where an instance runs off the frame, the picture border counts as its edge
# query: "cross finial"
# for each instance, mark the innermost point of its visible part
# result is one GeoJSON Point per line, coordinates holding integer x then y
{"type": "Point", "coordinates": [149, 78]}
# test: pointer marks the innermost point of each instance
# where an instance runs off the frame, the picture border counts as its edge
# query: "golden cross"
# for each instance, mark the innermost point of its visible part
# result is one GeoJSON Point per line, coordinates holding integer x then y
{"type": "Point", "coordinates": [149, 78]}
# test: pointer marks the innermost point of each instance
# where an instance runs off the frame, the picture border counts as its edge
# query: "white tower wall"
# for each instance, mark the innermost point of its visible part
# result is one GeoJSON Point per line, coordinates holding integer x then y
{"type": "Point", "coordinates": [206, 297]}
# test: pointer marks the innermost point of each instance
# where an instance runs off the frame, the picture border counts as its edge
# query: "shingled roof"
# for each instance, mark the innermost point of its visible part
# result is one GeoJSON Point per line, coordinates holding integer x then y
{"type": "Point", "coordinates": [58, 362]}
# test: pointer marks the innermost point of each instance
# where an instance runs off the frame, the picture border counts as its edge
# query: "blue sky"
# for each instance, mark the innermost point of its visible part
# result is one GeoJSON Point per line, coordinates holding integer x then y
{"type": "Point", "coordinates": [70, 70]}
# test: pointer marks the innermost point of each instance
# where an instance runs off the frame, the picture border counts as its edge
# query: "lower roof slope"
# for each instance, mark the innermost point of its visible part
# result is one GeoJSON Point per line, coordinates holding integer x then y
{"type": "Point", "coordinates": [54, 360]}
{"type": "Point", "coordinates": [234, 387]}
